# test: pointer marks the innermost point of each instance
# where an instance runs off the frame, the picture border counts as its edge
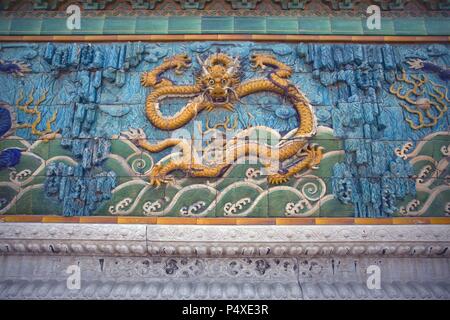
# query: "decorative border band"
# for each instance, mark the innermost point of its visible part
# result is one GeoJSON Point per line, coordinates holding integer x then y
{"type": "Point", "coordinates": [119, 22]}
{"type": "Point", "coordinates": [228, 37]}
{"type": "Point", "coordinates": [227, 221]}
{"type": "Point", "coordinates": [225, 241]}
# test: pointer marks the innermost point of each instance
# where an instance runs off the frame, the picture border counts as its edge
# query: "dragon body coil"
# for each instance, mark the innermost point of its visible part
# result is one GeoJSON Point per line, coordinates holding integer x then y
{"type": "Point", "coordinates": [218, 86]}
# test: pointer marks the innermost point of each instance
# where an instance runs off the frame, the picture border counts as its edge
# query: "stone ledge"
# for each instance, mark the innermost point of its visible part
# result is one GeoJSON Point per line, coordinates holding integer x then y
{"type": "Point", "coordinates": [225, 241]}
{"type": "Point", "coordinates": [223, 262]}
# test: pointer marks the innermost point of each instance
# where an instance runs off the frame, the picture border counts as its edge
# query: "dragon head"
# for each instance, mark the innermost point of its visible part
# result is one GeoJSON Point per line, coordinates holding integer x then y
{"type": "Point", "coordinates": [218, 79]}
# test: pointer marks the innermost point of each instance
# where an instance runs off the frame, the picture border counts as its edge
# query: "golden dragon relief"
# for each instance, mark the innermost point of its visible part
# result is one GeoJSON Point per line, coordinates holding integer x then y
{"type": "Point", "coordinates": [218, 85]}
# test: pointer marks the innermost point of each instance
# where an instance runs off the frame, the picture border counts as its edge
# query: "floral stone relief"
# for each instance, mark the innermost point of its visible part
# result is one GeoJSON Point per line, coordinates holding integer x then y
{"type": "Point", "coordinates": [242, 129]}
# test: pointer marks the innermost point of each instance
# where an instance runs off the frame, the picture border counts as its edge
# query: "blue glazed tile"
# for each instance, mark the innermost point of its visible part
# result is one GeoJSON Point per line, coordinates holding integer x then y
{"type": "Point", "coordinates": [282, 25]}
{"type": "Point", "coordinates": [217, 25]}
{"type": "Point", "coordinates": [346, 26]}
{"type": "Point", "coordinates": [387, 27]}
{"type": "Point", "coordinates": [410, 26]}
{"type": "Point", "coordinates": [186, 25]}
{"type": "Point", "coordinates": [55, 26]}
{"type": "Point", "coordinates": [309, 25]}
{"type": "Point", "coordinates": [119, 25]}
{"type": "Point", "coordinates": [22, 26]}
{"type": "Point", "coordinates": [437, 26]}
{"type": "Point", "coordinates": [250, 24]}
{"type": "Point", "coordinates": [5, 24]}
{"type": "Point", "coordinates": [152, 25]}
{"type": "Point", "coordinates": [90, 26]}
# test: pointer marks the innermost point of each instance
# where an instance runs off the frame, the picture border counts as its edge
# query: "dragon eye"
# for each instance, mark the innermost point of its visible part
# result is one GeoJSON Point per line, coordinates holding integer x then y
{"type": "Point", "coordinates": [211, 81]}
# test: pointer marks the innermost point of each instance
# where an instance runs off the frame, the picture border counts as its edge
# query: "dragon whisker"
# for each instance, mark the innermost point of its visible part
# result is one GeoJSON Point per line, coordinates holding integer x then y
{"type": "Point", "coordinates": [235, 94]}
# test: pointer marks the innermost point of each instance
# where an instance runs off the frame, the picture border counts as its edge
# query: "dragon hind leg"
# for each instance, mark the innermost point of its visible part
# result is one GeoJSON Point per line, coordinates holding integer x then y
{"type": "Point", "coordinates": [160, 172]}
{"type": "Point", "coordinates": [310, 157]}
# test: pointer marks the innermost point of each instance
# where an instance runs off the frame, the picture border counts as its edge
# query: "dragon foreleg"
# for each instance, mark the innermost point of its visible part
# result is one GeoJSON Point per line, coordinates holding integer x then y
{"type": "Point", "coordinates": [153, 78]}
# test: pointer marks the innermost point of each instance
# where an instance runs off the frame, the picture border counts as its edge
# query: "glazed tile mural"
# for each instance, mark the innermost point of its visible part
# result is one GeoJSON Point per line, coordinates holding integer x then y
{"type": "Point", "coordinates": [245, 129]}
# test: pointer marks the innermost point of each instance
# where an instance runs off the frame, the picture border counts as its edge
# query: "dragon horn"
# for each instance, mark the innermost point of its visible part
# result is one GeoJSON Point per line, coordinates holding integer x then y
{"type": "Point", "coordinates": [202, 63]}
{"type": "Point", "coordinates": [236, 61]}
{"type": "Point", "coordinates": [234, 64]}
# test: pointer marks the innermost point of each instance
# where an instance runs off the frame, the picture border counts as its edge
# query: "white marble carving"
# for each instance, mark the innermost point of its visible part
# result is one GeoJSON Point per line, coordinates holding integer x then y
{"type": "Point", "coordinates": [223, 262]}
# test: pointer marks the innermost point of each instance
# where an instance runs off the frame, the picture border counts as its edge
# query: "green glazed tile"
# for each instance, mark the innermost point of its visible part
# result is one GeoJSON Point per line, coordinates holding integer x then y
{"type": "Point", "coordinates": [282, 25]}
{"type": "Point", "coordinates": [119, 25]}
{"type": "Point", "coordinates": [5, 24]}
{"type": "Point", "coordinates": [439, 144]}
{"type": "Point", "coordinates": [410, 26]}
{"type": "Point", "coordinates": [47, 207]}
{"type": "Point", "coordinates": [8, 195]}
{"type": "Point", "coordinates": [91, 26]}
{"type": "Point", "coordinates": [151, 25]}
{"type": "Point", "coordinates": [186, 25]}
{"type": "Point", "coordinates": [437, 26]}
{"type": "Point", "coordinates": [112, 205]}
{"type": "Point", "coordinates": [52, 26]}
{"type": "Point", "coordinates": [346, 26]}
{"type": "Point", "coordinates": [217, 25]}
{"type": "Point", "coordinates": [287, 202]}
{"type": "Point", "coordinates": [436, 206]}
{"type": "Point", "coordinates": [333, 208]}
{"type": "Point", "coordinates": [239, 200]}
{"type": "Point", "coordinates": [313, 25]}
{"type": "Point", "coordinates": [387, 27]}
{"type": "Point", "coordinates": [198, 201]}
{"type": "Point", "coordinates": [28, 26]}
{"type": "Point", "coordinates": [24, 206]}
{"type": "Point", "coordinates": [250, 25]}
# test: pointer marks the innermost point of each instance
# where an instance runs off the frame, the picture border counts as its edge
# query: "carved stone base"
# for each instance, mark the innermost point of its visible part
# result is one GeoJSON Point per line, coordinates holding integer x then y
{"type": "Point", "coordinates": [223, 262]}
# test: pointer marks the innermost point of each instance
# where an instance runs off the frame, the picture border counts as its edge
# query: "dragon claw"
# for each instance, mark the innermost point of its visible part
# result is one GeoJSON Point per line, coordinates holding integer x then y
{"type": "Point", "coordinates": [181, 62]}
{"type": "Point", "coordinates": [157, 179]}
{"type": "Point", "coordinates": [311, 154]}
{"type": "Point", "coordinates": [228, 106]}
{"type": "Point", "coordinates": [258, 61]}
{"type": "Point", "coordinates": [315, 152]}
{"type": "Point", "coordinates": [277, 178]}
{"type": "Point", "coordinates": [209, 107]}
{"type": "Point", "coordinates": [134, 135]}
{"type": "Point", "coordinates": [415, 63]}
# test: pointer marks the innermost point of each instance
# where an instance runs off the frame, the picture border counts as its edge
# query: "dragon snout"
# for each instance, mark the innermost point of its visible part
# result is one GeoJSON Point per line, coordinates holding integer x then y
{"type": "Point", "coordinates": [218, 95]}
{"type": "Point", "coordinates": [218, 92]}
